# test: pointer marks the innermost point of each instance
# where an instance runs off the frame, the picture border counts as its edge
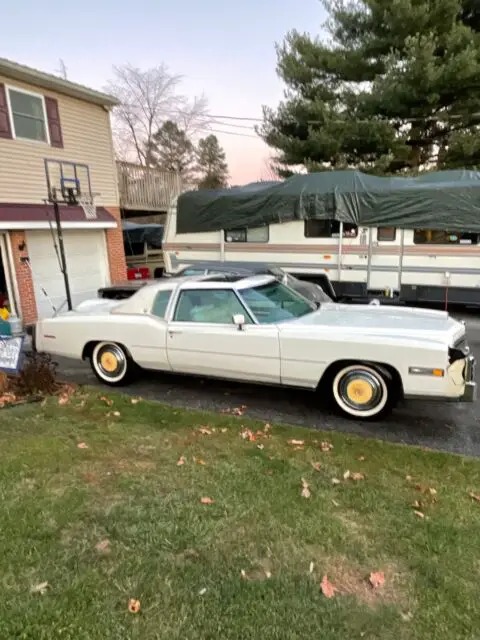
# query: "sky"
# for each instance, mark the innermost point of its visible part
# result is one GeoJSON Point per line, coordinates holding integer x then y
{"type": "Point", "coordinates": [224, 49]}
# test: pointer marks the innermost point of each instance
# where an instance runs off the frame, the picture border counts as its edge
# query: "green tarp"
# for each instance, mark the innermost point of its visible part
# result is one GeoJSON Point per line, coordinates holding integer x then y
{"type": "Point", "coordinates": [439, 200]}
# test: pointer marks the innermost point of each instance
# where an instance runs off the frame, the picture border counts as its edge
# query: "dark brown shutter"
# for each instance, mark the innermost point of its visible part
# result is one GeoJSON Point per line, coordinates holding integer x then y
{"type": "Point", "coordinates": [5, 127]}
{"type": "Point", "coordinates": [53, 116]}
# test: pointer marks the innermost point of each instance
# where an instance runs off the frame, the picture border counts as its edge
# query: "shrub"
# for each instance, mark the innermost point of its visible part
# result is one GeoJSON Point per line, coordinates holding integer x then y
{"type": "Point", "coordinates": [38, 375]}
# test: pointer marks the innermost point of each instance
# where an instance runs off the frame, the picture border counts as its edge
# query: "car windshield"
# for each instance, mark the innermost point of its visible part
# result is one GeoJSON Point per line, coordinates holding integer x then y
{"type": "Point", "coordinates": [274, 302]}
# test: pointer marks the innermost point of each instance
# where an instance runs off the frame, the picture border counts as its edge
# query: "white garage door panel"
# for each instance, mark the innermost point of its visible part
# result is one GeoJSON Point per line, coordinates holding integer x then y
{"type": "Point", "coordinates": [86, 264]}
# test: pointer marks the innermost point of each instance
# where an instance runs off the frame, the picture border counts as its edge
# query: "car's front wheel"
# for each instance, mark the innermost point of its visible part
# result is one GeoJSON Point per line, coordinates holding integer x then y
{"type": "Point", "coordinates": [111, 364]}
{"type": "Point", "coordinates": [363, 392]}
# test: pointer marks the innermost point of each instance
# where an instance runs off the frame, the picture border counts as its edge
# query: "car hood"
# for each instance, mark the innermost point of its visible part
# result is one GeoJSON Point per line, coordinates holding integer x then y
{"type": "Point", "coordinates": [386, 320]}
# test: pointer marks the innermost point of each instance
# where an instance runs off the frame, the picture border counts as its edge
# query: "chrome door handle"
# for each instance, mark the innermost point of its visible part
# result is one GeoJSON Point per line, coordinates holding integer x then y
{"type": "Point", "coordinates": [172, 331]}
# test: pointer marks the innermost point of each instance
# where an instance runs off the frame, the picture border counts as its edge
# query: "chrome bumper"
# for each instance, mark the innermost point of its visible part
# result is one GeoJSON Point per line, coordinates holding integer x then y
{"type": "Point", "coordinates": [470, 393]}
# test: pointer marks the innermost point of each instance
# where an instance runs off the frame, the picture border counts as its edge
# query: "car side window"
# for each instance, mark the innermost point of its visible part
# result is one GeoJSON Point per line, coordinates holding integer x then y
{"type": "Point", "coordinates": [160, 303]}
{"type": "Point", "coordinates": [209, 305]}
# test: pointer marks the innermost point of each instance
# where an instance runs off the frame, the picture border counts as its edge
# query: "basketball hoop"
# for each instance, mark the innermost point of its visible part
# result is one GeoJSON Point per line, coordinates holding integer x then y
{"type": "Point", "coordinates": [87, 202]}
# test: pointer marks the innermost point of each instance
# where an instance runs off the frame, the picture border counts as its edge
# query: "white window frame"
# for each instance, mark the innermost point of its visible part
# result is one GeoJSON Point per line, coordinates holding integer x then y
{"type": "Point", "coordinates": [10, 114]}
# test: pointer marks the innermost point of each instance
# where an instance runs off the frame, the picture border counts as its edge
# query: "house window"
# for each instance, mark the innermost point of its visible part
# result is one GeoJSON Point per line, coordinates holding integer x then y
{"type": "Point", "coordinates": [386, 234]}
{"type": "Point", "coordinates": [256, 234]}
{"type": "Point", "coordinates": [329, 229]}
{"type": "Point", "coordinates": [439, 236]}
{"type": "Point", "coordinates": [28, 115]}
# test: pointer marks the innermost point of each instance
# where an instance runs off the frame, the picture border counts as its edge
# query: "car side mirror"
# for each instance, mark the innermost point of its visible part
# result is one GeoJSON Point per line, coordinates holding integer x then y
{"type": "Point", "coordinates": [239, 320]}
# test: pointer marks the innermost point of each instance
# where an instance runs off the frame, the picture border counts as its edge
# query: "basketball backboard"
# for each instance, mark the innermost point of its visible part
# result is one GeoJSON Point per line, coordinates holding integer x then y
{"type": "Point", "coordinates": [67, 180]}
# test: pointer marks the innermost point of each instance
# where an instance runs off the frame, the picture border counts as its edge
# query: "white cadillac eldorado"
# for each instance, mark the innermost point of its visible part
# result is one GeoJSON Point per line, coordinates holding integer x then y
{"type": "Point", "coordinates": [364, 358]}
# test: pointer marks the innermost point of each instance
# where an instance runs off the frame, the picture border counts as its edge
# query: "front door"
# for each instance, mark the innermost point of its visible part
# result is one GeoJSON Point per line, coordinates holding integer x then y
{"type": "Point", "coordinates": [202, 339]}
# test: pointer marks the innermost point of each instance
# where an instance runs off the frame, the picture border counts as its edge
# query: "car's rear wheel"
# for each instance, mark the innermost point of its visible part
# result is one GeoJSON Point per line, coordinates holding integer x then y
{"type": "Point", "coordinates": [363, 392]}
{"type": "Point", "coordinates": [111, 364]}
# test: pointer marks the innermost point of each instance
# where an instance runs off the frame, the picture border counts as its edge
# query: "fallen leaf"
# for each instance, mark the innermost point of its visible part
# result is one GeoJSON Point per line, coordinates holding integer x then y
{"type": "Point", "coordinates": [116, 414]}
{"type": "Point", "coordinates": [409, 478]}
{"type": "Point", "coordinates": [432, 491]}
{"type": "Point", "coordinates": [63, 399]}
{"type": "Point", "coordinates": [106, 400]}
{"type": "Point", "coordinates": [134, 605]}
{"type": "Point", "coordinates": [224, 430]}
{"type": "Point", "coordinates": [135, 400]}
{"type": "Point", "coordinates": [260, 446]}
{"type": "Point", "coordinates": [205, 431]}
{"type": "Point", "coordinates": [335, 481]}
{"type": "Point", "coordinates": [417, 504]}
{"type": "Point", "coordinates": [181, 461]}
{"type": "Point", "coordinates": [40, 588]}
{"type": "Point", "coordinates": [199, 460]}
{"type": "Point", "coordinates": [335, 503]}
{"type": "Point", "coordinates": [297, 443]}
{"type": "Point", "coordinates": [406, 617]}
{"type": "Point", "coordinates": [377, 579]}
{"type": "Point", "coordinates": [310, 568]}
{"type": "Point", "coordinates": [326, 446]}
{"type": "Point", "coordinates": [474, 496]}
{"type": "Point", "coordinates": [207, 500]}
{"type": "Point", "coordinates": [202, 591]}
{"type": "Point", "coordinates": [357, 476]}
{"type": "Point", "coordinates": [239, 411]}
{"type": "Point", "coordinates": [82, 445]}
{"type": "Point", "coordinates": [327, 588]}
{"type": "Point", "coordinates": [419, 514]}
{"type": "Point", "coordinates": [267, 427]}
{"type": "Point", "coordinates": [246, 434]}
{"type": "Point", "coordinates": [420, 487]}
{"type": "Point", "coordinates": [316, 466]}
{"type": "Point", "coordinates": [305, 493]}
{"type": "Point", "coordinates": [243, 574]}
{"type": "Point", "coordinates": [346, 475]}
{"type": "Point", "coordinates": [103, 546]}
{"type": "Point", "coordinates": [361, 458]}
{"type": "Point", "coordinates": [268, 574]}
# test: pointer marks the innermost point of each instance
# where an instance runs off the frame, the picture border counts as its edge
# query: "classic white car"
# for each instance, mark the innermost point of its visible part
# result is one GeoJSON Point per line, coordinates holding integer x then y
{"type": "Point", "coordinates": [257, 329]}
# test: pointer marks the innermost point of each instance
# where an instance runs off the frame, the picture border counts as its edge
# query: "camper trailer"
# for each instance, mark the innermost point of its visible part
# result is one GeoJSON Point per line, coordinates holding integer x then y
{"type": "Point", "coordinates": [406, 240]}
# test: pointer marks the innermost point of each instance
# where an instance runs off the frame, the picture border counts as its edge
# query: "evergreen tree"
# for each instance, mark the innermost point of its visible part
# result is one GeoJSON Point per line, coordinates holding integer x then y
{"type": "Point", "coordinates": [397, 88]}
{"type": "Point", "coordinates": [172, 150]}
{"type": "Point", "coordinates": [211, 164]}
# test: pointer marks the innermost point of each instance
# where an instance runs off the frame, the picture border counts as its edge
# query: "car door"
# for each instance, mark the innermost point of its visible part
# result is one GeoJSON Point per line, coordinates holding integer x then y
{"type": "Point", "coordinates": [202, 339]}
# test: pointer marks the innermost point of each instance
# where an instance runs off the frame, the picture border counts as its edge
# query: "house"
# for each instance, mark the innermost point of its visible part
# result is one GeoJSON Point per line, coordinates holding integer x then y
{"type": "Point", "coordinates": [55, 136]}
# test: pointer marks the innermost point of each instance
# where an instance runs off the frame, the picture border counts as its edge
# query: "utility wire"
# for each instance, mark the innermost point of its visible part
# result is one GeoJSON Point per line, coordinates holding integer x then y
{"type": "Point", "coordinates": [230, 133]}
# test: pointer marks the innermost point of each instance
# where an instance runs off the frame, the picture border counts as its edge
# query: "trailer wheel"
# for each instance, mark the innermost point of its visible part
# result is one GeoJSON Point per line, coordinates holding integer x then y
{"type": "Point", "coordinates": [112, 364]}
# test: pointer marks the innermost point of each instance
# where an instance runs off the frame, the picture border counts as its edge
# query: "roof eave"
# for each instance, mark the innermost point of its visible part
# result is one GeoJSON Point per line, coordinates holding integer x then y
{"type": "Point", "coordinates": [47, 81]}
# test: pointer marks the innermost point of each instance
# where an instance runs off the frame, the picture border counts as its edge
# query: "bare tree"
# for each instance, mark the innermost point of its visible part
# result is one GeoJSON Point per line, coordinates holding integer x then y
{"type": "Point", "coordinates": [148, 98]}
{"type": "Point", "coordinates": [269, 172]}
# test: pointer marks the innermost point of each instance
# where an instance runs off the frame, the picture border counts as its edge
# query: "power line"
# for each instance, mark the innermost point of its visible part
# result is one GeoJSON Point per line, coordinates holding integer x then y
{"type": "Point", "coordinates": [230, 133]}
{"type": "Point", "coordinates": [236, 118]}
{"type": "Point", "coordinates": [231, 124]}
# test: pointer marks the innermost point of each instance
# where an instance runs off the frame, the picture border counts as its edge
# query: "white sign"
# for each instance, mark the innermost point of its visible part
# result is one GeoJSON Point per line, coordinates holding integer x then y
{"type": "Point", "coordinates": [10, 353]}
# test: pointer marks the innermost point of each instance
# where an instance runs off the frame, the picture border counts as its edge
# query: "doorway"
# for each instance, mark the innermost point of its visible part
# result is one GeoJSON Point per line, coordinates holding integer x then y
{"type": "Point", "coordinates": [7, 291]}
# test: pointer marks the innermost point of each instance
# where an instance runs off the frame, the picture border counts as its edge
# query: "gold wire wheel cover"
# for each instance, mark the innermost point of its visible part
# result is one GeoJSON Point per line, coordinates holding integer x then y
{"type": "Point", "coordinates": [109, 361]}
{"type": "Point", "coordinates": [360, 391]}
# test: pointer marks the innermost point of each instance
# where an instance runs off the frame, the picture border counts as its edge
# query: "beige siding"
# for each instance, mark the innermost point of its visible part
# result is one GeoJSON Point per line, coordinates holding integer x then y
{"type": "Point", "coordinates": [86, 139]}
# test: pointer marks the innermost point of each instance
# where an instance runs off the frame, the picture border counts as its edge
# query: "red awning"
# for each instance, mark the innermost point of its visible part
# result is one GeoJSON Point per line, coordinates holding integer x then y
{"type": "Point", "coordinates": [34, 216]}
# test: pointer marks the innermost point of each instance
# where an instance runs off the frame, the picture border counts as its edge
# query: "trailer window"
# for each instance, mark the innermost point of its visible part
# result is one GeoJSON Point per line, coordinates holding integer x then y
{"type": "Point", "coordinates": [134, 248]}
{"type": "Point", "coordinates": [256, 234]}
{"type": "Point", "coordinates": [386, 234]}
{"type": "Point", "coordinates": [440, 236]}
{"type": "Point", "coordinates": [329, 229]}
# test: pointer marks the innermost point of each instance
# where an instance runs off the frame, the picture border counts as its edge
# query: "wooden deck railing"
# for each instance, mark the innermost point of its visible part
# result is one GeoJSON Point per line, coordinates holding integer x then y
{"type": "Point", "coordinates": [145, 188]}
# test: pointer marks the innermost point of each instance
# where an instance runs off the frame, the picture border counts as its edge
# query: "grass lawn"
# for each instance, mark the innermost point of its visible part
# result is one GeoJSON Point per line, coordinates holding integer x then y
{"type": "Point", "coordinates": [84, 529]}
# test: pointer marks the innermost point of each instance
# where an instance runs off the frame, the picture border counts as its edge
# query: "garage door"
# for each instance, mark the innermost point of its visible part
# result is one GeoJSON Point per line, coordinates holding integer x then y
{"type": "Point", "coordinates": [87, 267]}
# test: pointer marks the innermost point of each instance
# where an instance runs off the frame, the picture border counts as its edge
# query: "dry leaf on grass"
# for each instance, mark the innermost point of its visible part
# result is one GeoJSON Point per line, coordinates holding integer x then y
{"type": "Point", "coordinates": [202, 592]}
{"type": "Point", "coordinates": [134, 605]}
{"type": "Point", "coordinates": [207, 500]}
{"type": "Point", "coordinates": [243, 574]}
{"type": "Point", "coordinates": [297, 443]}
{"type": "Point", "coordinates": [357, 476]}
{"type": "Point", "coordinates": [199, 460]}
{"type": "Point", "coordinates": [305, 493]}
{"type": "Point", "coordinates": [335, 481]}
{"type": "Point", "coordinates": [361, 458]}
{"type": "Point", "coordinates": [267, 427]}
{"type": "Point", "coordinates": [205, 431]}
{"type": "Point", "coordinates": [316, 465]}
{"type": "Point", "coordinates": [181, 461]}
{"type": "Point", "coordinates": [82, 445]}
{"type": "Point", "coordinates": [377, 579]}
{"type": "Point", "coordinates": [326, 446]}
{"type": "Point", "coordinates": [239, 411]}
{"type": "Point", "coordinates": [327, 588]}
{"type": "Point", "coordinates": [40, 588]}
{"type": "Point", "coordinates": [135, 400]}
{"type": "Point", "coordinates": [474, 496]}
{"type": "Point", "coordinates": [103, 546]}
{"type": "Point", "coordinates": [106, 400]}
{"type": "Point", "coordinates": [419, 514]}
{"type": "Point", "coordinates": [409, 478]}
{"type": "Point", "coordinates": [260, 446]}
{"type": "Point", "coordinates": [223, 430]}
{"type": "Point", "coordinates": [113, 414]}
{"type": "Point", "coordinates": [310, 568]}
{"type": "Point", "coordinates": [417, 504]}
{"type": "Point", "coordinates": [247, 434]}
{"type": "Point", "coordinates": [63, 399]}
{"type": "Point", "coordinates": [346, 475]}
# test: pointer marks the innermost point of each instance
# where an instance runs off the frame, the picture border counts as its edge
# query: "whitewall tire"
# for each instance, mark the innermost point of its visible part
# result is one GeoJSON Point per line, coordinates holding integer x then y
{"type": "Point", "coordinates": [362, 392]}
{"type": "Point", "coordinates": [111, 363]}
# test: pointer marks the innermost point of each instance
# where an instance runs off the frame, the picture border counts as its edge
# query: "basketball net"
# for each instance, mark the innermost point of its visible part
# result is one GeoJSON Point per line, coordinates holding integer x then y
{"type": "Point", "coordinates": [87, 202]}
